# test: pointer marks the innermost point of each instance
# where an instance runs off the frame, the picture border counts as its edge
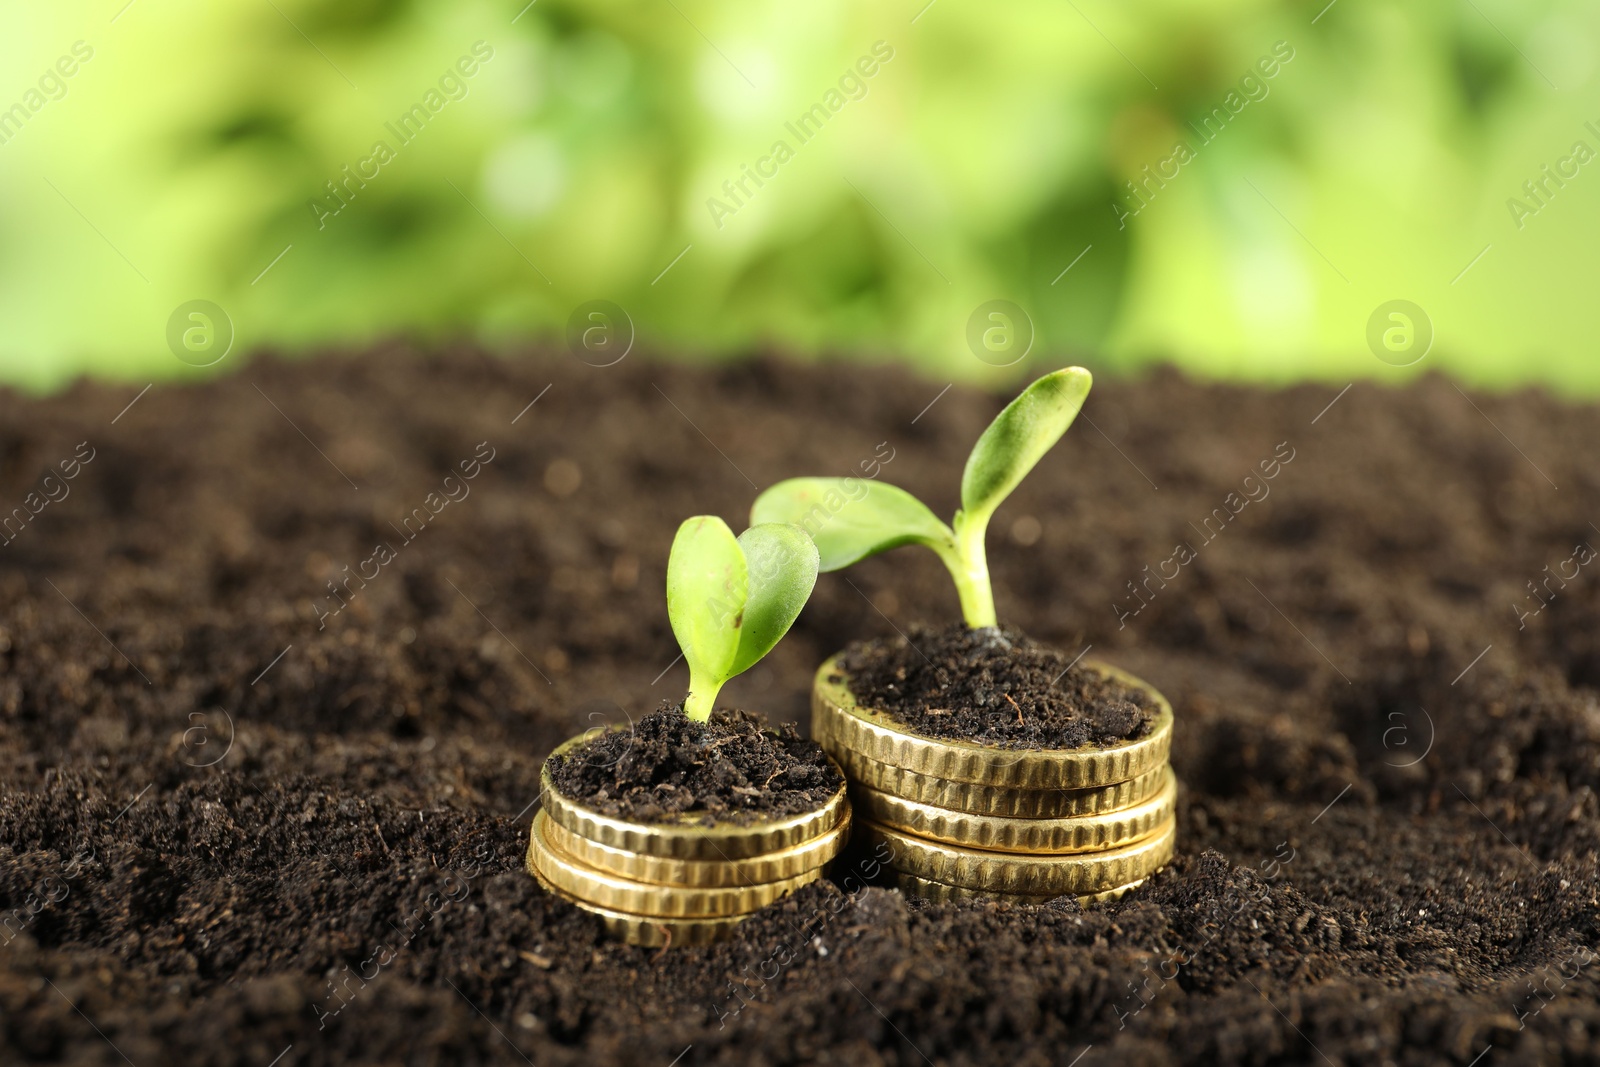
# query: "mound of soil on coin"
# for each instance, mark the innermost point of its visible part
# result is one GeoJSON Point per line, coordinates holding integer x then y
{"type": "Point", "coordinates": [994, 686]}
{"type": "Point", "coordinates": [282, 663]}
{"type": "Point", "coordinates": [732, 769]}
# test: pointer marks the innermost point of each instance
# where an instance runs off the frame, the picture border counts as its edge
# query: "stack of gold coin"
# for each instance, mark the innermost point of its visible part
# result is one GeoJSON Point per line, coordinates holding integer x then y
{"type": "Point", "coordinates": [681, 882]}
{"type": "Point", "coordinates": [964, 820]}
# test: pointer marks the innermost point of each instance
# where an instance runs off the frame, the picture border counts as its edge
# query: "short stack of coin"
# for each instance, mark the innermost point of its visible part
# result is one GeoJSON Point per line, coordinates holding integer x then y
{"type": "Point", "coordinates": [678, 883]}
{"type": "Point", "coordinates": [964, 820]}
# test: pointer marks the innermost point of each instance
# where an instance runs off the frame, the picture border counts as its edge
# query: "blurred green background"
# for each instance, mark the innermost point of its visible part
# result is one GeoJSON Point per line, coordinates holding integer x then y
{"type": "Point", "coordinates": [989, 152]}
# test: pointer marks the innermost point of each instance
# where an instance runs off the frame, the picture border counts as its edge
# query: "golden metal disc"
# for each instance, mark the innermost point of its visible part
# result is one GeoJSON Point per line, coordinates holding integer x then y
{"type": "Point", "coordinates": [840, 724]}
{"type": "Point", "coordinates": [648, 932]}
{"type": "Point", "coordinates": [656, 870]}
{"type": "Point", "coordinates": [997, 800]}
{"type": "Point", "coordinates": [939, 893]}
{"type": "Point", "coordinates": [684, 837]}
{"type": "Point", "coordinates": [640, 898]}
{"type": "Point", "coordinates": [992, 833]}
{"type": "Point", "coordinates": [1015, 872]}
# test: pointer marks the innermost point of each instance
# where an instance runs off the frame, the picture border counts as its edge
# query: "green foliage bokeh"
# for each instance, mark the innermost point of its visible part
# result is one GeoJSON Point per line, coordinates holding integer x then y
{"type": "Point", "coordinates": [976, 163]}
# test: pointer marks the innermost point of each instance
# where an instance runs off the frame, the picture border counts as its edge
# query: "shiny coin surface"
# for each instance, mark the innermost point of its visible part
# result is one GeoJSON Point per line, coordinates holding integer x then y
{"type": "Point", "coordinates": [1079, 833]}
{"type": "Point", "coordinates": [640, 898]}
{"type": "Point", "coordinates": [685, 838]}
{"type": "Point", "coordinates": [997, 800]}
{"type": "Point", "coordinates": [939, 893]}
{"type": "Point", "coordinates": [840, 724]}
{"type": "Point", "coordinates": [1010, 872]}
{"type": "Point", "coordinates": [657, 870]}
{"type": "Point", "coordinates": [649, 932]}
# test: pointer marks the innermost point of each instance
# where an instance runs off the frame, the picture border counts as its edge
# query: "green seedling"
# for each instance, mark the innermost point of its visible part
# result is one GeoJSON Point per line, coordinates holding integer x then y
{"type": "Point", "coordinates": [731, 598]}
{"type": "Point", "coordinates": [850, 519]}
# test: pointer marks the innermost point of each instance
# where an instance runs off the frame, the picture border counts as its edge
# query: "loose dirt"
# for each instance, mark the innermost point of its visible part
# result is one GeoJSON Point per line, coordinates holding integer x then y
{"type": "Point", "coordinates": [993, 686]}
{"type": "Point", "coordinates": [731, 769]}
{"type": "Point", "coordinates": [273, 710]}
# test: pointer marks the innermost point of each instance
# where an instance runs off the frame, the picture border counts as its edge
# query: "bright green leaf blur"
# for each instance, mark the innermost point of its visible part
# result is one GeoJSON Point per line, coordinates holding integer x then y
{"type": "Point", "coordinates": [733, 176]}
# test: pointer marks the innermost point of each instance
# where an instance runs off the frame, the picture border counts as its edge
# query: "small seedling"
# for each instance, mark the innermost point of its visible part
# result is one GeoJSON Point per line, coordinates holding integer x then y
{"type": "Point", "coordinates": [850, 519]}
{"type": "Point", "coordinates": [730, 599]}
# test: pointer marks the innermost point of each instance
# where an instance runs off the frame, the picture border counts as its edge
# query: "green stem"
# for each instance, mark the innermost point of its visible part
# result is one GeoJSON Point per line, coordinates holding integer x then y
{"type": "Point", "coordinates": [702, 697]}
{"type": "Point", "coordinates": [968, 564]}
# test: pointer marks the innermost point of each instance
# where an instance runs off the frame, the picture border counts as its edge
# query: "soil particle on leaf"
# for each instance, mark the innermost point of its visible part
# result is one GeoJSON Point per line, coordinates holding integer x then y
{"type": "Point", "coordinates": [995, 686]}
{"type": "Point", "coordinates": [733, 769]}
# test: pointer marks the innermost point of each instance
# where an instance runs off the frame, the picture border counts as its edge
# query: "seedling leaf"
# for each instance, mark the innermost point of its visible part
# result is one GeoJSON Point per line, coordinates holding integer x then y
{"type": "Point", "coordinates": [782, 565]}
{"type": "Point", "coordinates": [731, 599]}
{"type": "Point", "coordinates": [1019, 437]}
{"type": "Point", "coordinates": [707, 589]}
{"type": "Point", "coordinates": [851, 518]}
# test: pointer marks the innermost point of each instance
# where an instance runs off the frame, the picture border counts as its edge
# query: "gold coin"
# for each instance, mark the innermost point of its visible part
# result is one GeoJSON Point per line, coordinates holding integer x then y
{"type": "Point", "coordinates": [939, 893]}
{"type": "Point", "coordinates": [839, 724]}
{"type": "Point", "coordinates": [771, 867]}
{"type": "Point", "coordinates": [640, 898]}
{"type": "Point", "coordinates": [684, 837]}
{"type": "Point", "coordinates": [1080, 833]}
{"type": "Point", "coordinates": [997, 800]}
{"type": "Point", "coordinates": [648, 932]}
{"type": "Point", "coordinates": [1032, 875]}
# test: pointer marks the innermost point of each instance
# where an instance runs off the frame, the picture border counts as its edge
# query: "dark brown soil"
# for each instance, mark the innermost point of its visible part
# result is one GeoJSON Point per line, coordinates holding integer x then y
{"type": "Point", "coordinates": [1388, 825]}
{"type": "Point", "coordinates": [732, 769]}
{"type": "Point", "coordinates": [995, 686]}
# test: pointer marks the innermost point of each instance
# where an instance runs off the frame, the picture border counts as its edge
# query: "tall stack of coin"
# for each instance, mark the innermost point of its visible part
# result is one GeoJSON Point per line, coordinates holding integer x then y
{"type": "Point", "coordinates": [677, 883]}
{"type": "Point", "coordinates": [965, 820]}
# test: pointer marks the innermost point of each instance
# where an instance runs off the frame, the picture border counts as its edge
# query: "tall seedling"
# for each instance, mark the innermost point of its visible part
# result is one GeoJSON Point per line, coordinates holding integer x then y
{"type": "Point", "coordinates": [886, 516]}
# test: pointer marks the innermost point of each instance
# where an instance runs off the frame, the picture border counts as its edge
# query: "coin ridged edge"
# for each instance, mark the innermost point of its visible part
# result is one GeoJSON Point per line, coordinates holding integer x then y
{"type": "Point", "coordinates": [651, 931]}
{"type": "Point", "coordinates": [999, 801]}
{"type": "Point", "coordinates": [1032, 875]}
{"type": "Point", "coordinates": [939, 893]}
{"type": "Point", "coordinates": [1074, 835]}
{"type": "Point", "coordinates": [685, 840]}
{"type": "Point", "coordinates": [707, 874]}
{"type": "Point", "coordinates": [639, 898]}
{"type": "Point", "coordinates": [838, 722]}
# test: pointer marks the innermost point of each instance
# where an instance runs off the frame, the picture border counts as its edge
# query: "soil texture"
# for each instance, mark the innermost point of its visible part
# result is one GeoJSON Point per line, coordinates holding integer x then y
{"type": "Point", "coordinates": [282, 658]}
{"type": "Point", "coordinates": [732, 769]}
{"type": "Point", "coordinates": [993, 686]}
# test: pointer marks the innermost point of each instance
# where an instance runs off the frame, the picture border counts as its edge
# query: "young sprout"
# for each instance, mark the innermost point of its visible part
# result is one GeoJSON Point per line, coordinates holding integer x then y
{"type": "Point", "coordinates": [850, 519]}
{"type": "Point", "coordinates": [730, 598]}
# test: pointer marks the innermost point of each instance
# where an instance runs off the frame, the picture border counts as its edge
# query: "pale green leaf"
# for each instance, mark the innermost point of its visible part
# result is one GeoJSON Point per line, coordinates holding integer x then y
{"type": "Point", "coordinates": [1019, 437]}
{"type": "Point", "coordinates": [707, 589]}
{"type": "Point", "coordinates": [851, 518]}
{"type": "Point", "coordinates": [782, 564]}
